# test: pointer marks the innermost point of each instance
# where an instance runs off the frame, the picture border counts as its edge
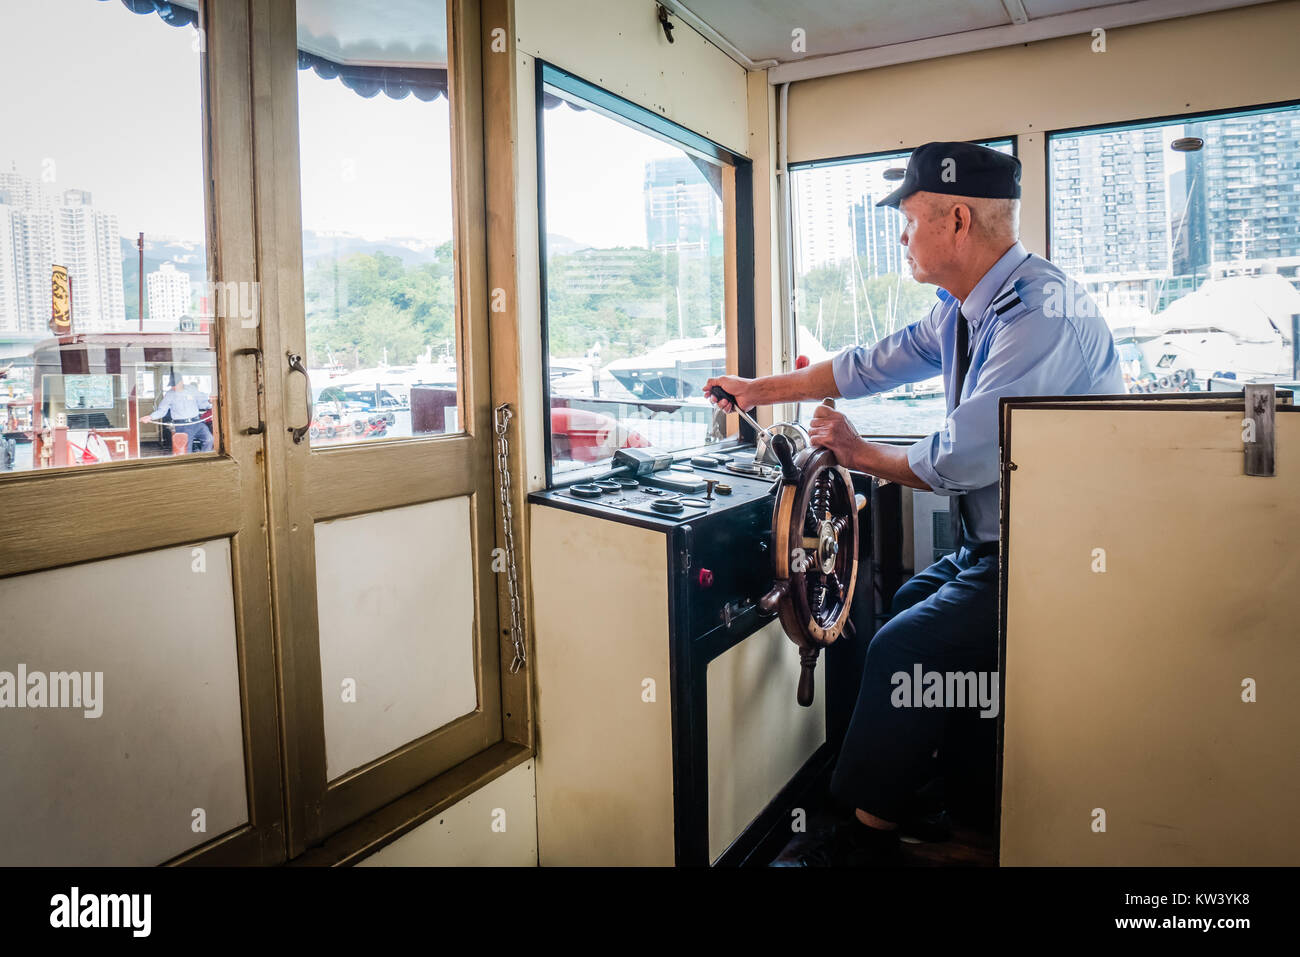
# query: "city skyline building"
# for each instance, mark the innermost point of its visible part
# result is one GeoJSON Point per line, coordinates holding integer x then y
{"type": "Point", "coordinates": [1244, 197]}
{"type": "Point", "coordinates": [682, 210]}
{"type": "Point", "coordinates": [42, 227]}
{"type": "Point", "coordinates": [169, 294]}
{"type": "Point", "coordinates": [827, 217]}
{"type": "Point", "coordinates": [1142, 225]}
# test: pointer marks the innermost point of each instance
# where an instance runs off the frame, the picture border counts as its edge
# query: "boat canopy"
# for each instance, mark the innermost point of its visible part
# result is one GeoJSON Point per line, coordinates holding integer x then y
{"type": "Point", "coordinates": [1249, 308]}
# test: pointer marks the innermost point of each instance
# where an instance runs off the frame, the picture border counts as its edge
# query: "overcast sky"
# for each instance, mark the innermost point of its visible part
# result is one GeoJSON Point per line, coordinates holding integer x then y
{"type": "Point", "coordinates": [108, 101]}
{"type": "Point", "coordinates": [595, 174]}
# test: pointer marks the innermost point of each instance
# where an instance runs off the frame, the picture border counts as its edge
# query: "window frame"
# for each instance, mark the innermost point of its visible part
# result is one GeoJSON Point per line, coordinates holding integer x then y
{"type": "Point", "coordinates": [737, 227]}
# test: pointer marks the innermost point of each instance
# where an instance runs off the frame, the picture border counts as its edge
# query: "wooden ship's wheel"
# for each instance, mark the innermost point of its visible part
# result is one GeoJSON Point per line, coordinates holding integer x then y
{"type": "Point", "coordinates": [814, 552]}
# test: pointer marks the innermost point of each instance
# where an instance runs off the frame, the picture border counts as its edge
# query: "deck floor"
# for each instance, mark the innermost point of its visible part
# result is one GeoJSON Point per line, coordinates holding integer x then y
{"type": "Point", "coordinates": [968, 847]}
{"type": "Point", "coordinates": [973, 842]}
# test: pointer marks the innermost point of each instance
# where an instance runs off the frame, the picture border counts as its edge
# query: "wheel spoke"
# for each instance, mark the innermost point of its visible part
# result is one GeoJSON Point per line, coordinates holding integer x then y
{"type": "Point", "coordinates": [821, 497]}
{"type": "Point", "coordinates": [816, 597]}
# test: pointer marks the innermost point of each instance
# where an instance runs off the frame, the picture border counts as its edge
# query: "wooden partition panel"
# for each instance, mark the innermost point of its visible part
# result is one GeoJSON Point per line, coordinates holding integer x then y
{"type": "Point", "coordinates": [1150, 607]}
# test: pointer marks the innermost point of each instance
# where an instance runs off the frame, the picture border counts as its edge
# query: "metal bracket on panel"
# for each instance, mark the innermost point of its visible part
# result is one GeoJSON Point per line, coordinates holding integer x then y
{"type": "Point", "coordinates": [666, 23]}
{"type": "Point", "coordinates": [1257, 432]}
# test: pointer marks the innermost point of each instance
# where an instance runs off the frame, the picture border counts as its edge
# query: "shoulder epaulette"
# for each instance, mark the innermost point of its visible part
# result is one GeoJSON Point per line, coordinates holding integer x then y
{"type": "Point", "coordinates": [1007, 301]}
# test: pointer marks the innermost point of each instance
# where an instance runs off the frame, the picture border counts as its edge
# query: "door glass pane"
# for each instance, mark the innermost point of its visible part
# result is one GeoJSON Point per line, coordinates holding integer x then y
{"type": "Point", "coordinates": [635, 298]}
{"type": "Point", "coordinates": [1186, 233]}
{"type": "Point", "coordinates": [853, 286]}
{"type": "Point", "coordinates": [106, 313]}
{"type": "Point", "coordinates": [379, 271]}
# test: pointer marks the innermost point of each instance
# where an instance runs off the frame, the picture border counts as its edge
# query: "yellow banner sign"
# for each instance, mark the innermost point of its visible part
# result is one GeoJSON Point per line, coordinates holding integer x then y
{"type": "Point", "coordinates": [60, 301]}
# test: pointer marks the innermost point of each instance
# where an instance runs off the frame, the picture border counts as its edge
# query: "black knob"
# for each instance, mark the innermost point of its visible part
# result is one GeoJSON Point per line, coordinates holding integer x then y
{"type": "Point", "coordinates": [785, 454]}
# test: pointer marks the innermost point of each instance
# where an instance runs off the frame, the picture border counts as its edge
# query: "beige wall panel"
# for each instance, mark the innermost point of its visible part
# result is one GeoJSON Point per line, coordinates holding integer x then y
{"type": "Point", "coordinates": [619, 45]}
{"type": "Point", "coordinates": [1123, 688]}
{"type": "Point", "coordinates": [600, 628]}
{"type": "Point", "coordinates": [395, 598]}
{"type": "Point", "coordinates": [759, 737]}
{"type": "Point", "coordinates": [1209, 62]}
{"type": "Point", "coordinates": [160, 628]}
{"type": "Point", "coordinates": [495, 826]}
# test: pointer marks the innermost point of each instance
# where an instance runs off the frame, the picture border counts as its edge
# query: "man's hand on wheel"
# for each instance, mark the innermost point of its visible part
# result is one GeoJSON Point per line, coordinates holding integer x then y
{"type": "Point", "coordinates": [832, 430]}
{"type": "Point", "coordinates": [742, 389]}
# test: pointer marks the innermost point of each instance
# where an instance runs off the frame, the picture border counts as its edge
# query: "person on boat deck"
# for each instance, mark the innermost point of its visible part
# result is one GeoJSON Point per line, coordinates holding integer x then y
{"type": "Point", "coordinates": [1006, 323]}
{"type": "Point", "coordinates": [186, 404]}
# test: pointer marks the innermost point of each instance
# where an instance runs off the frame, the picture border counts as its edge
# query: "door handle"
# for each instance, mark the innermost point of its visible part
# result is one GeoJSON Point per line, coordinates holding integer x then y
{"type": "Point", "coordinates": [261, 426]}
{"type": "Point", "coordinates": [295, 365]}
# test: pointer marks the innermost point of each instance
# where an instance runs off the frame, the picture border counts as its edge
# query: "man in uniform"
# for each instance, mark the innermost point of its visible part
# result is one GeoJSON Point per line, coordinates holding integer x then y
{"type": "Point", "coordinates": [185, 404]}
{"type": "Point", "coordinates": [1007, 323]}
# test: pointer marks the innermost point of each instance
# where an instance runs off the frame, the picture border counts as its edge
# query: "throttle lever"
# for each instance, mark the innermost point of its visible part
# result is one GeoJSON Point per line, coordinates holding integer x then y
{"type": "Point", "coordinates": [718, 392]}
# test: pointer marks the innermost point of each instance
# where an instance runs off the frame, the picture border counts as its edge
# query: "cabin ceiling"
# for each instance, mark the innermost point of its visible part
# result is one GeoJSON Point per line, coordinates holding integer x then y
{"type": "Point", "coordinates": [844, 35]}
{"type": "Point", "coordinates": [761, 29]}
{"type": "Point", "coordinates": [757, 33]}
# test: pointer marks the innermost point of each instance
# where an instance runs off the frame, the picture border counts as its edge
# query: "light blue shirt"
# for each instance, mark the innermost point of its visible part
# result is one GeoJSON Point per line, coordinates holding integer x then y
{"type": "Point", "coordinates": [1033, 331]}
{"type": "Point", "coordinates": [184, 404]}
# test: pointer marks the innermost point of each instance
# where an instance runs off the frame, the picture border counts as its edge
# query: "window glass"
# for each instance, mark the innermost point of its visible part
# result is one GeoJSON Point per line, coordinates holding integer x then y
{"type": "Point", "coordinates": [104, 292]}
{"type": "Point", "coordinates": [375, 129]}
{"type": "Point", "coordinates": [853, 286]}
{"type": "Point", "coordinates": [1191, 253]}
{"type": "Point", "coordinates": [635, 300]}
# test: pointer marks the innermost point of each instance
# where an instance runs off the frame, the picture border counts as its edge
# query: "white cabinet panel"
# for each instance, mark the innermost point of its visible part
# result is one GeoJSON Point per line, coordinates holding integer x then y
{"type": "Point", "coordinates": [395, 596]}
{"type": "Point", "coordinates": [155, 633]}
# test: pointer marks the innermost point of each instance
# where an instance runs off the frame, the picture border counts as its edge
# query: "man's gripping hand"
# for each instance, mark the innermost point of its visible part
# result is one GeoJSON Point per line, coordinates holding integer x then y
{"type": "Point", "coordinates": [832, 430]}
{"type": "Point", "coordinates": [743, 389]}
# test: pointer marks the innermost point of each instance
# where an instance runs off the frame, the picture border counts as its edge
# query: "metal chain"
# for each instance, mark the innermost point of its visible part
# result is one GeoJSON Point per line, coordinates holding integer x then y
{"type": "Point", "coordinates": [503, 417]}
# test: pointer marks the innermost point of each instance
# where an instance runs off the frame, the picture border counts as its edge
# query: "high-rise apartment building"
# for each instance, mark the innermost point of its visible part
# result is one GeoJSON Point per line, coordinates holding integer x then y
{"type": "Point", "coordinates": [1243, 190]}
{"type": "Point", "coordinates": [826, 213]}
{"type": "Point", "coordinates": [1137, 220]}
{"type": "Point", "coordinates": [682, 211]}
{"type": "Point", "coordinates": [1110, 202]}
{"type": "Point", "coordinates": [42, 228]}
{"type": "Point", "coordinates": [169, 294]}
{"type": "Point", "coordinates": [8, 262]}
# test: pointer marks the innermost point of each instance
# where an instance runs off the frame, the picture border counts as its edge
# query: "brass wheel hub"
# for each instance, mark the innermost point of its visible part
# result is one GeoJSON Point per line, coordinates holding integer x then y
{"type": "Point", "coordinates": [828, 546]}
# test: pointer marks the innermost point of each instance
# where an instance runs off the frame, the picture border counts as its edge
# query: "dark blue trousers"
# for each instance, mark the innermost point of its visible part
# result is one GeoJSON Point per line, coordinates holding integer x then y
{"type": "Point", "coordinates": [198, 431]}
{"type": "Point", "coordinates": [945, 620]}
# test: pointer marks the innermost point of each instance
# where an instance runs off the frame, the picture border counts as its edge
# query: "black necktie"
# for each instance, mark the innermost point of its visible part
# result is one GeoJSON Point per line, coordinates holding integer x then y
{"type": "Point", "coordinates": [963, 366]}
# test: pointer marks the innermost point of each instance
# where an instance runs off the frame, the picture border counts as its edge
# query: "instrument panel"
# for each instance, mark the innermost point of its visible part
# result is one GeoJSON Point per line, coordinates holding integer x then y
{"type": "Point", "coordinates": [715, 505]}
{"type": "Point", "coordinates": [698, 483]}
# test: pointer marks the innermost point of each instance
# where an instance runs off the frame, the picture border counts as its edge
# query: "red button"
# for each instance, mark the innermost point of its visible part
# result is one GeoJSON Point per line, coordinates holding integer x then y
{"type": "Point", "coordinates": [801, 362]}
{"type": "Point", "coordinates": [706, 578]}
